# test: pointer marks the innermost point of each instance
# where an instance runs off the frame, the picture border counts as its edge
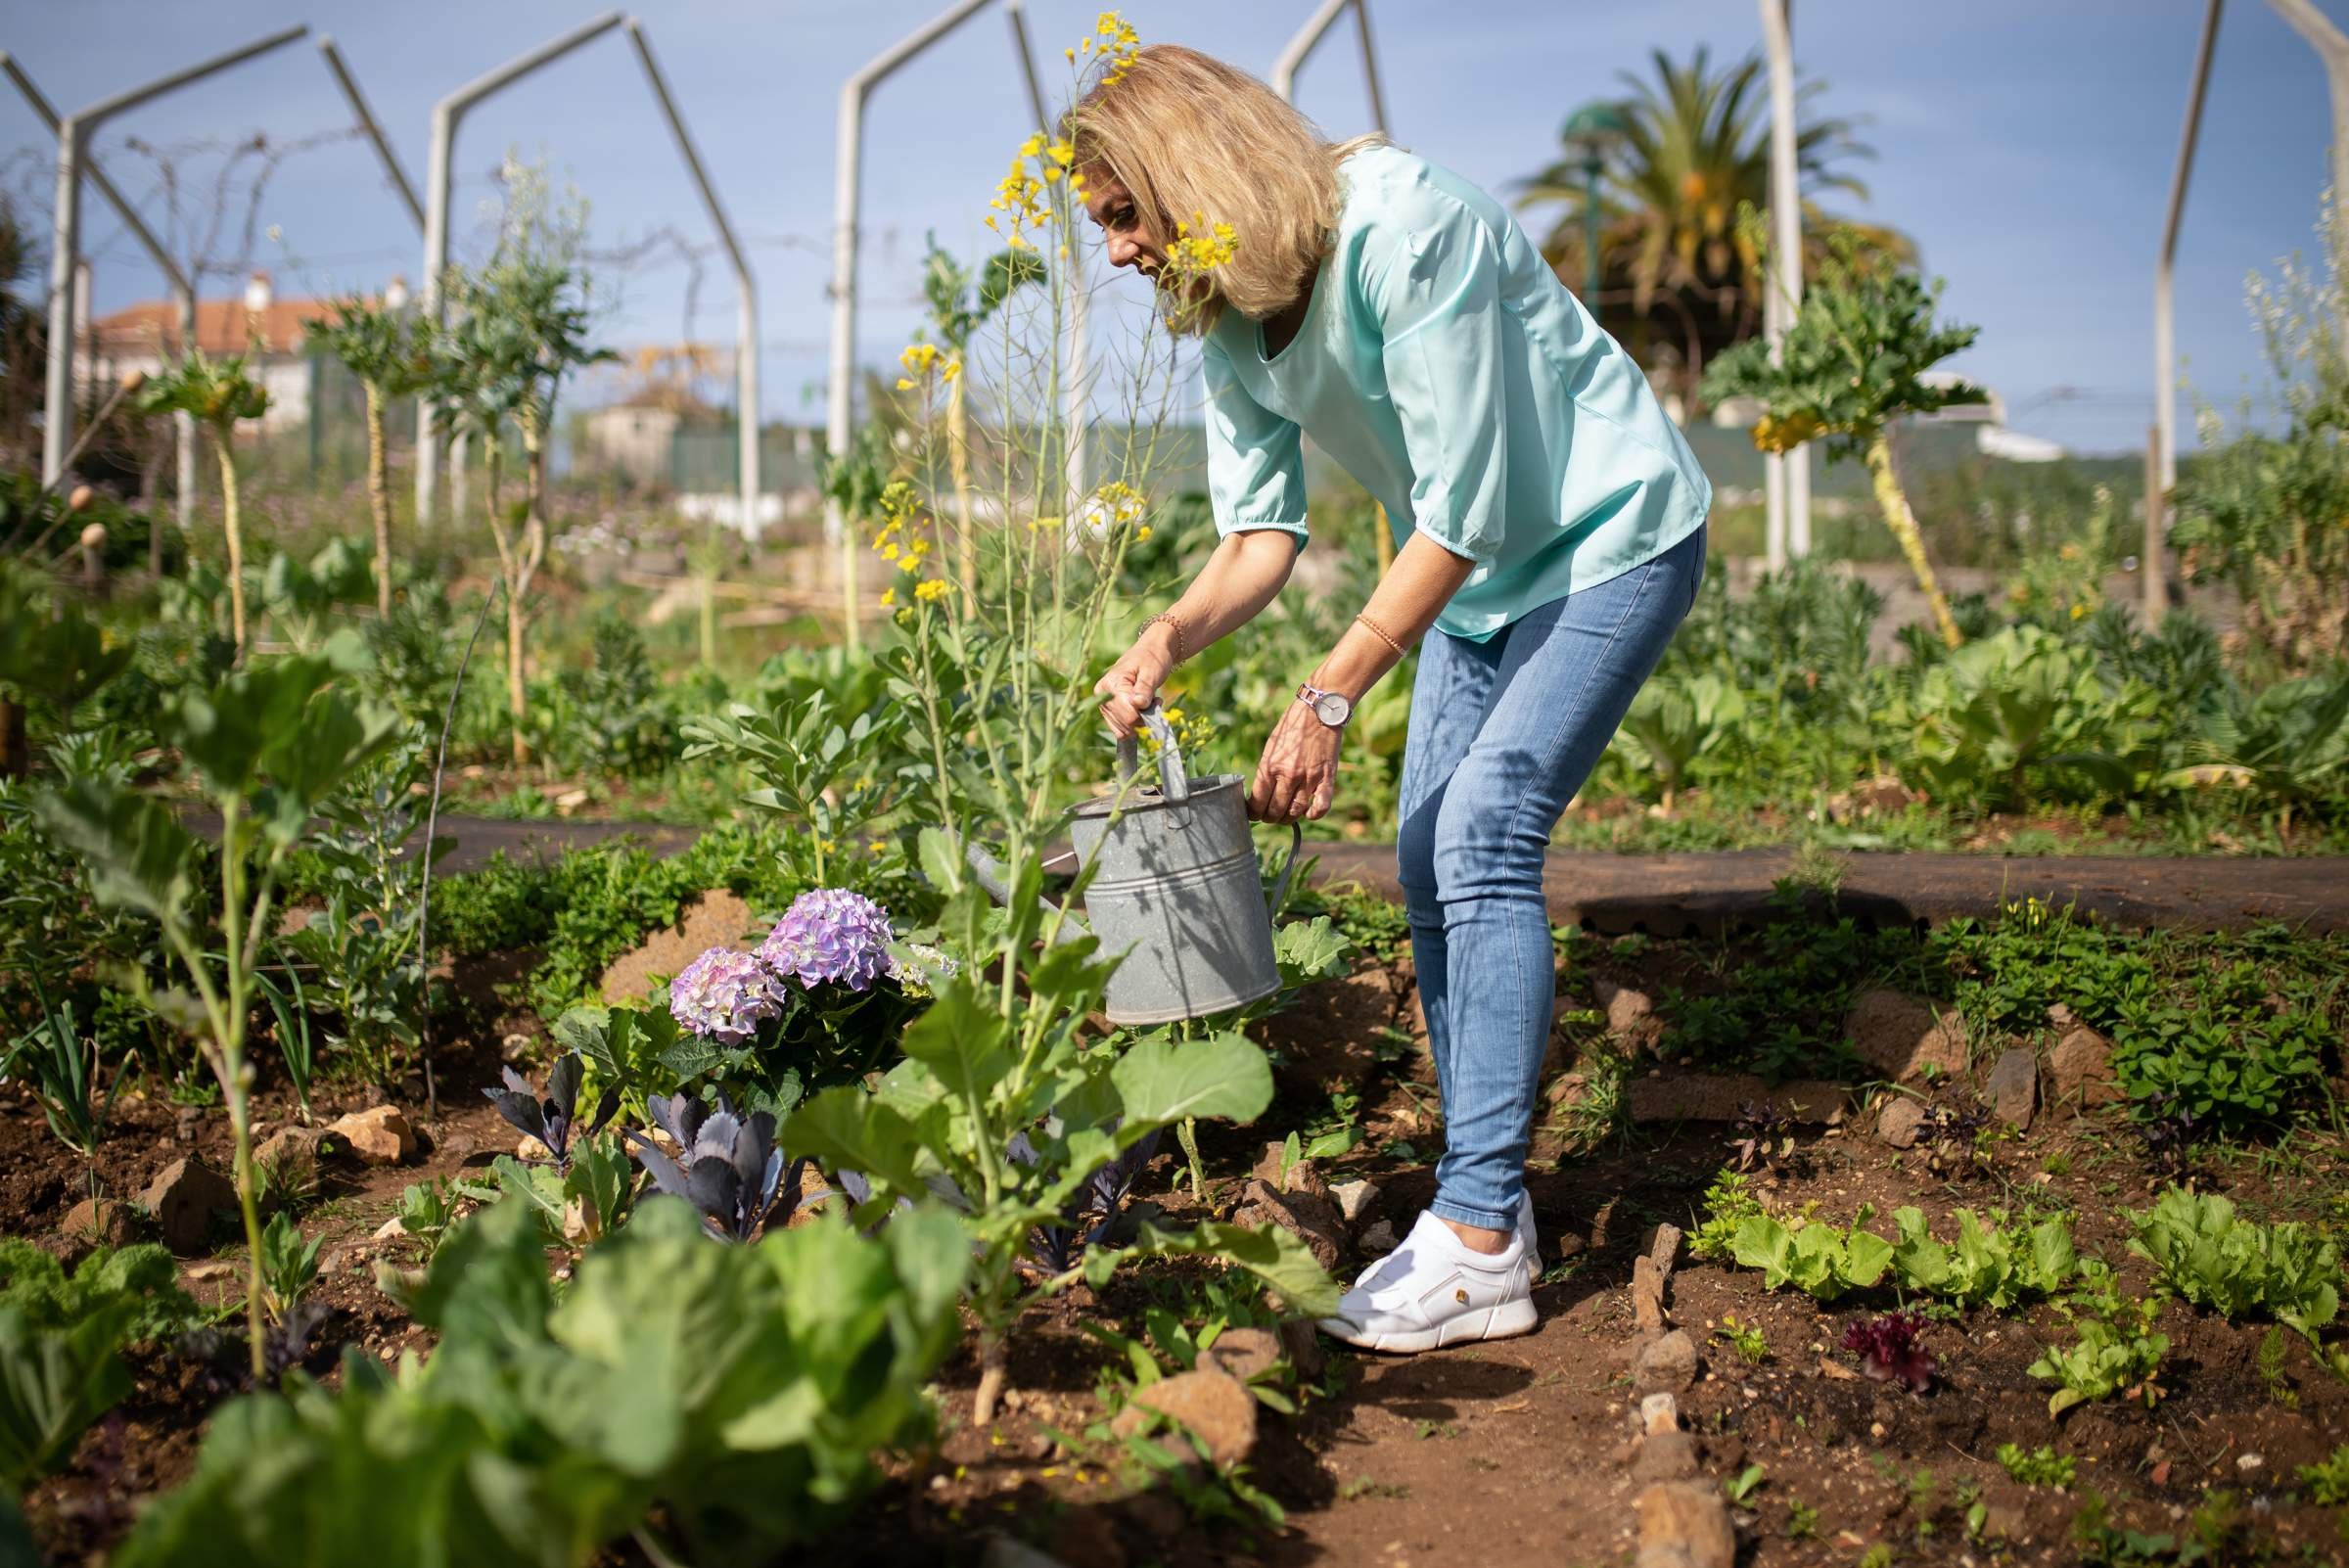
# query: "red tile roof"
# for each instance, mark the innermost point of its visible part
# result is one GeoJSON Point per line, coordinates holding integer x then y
{"type": "Point", "coordinates": [222, 326]}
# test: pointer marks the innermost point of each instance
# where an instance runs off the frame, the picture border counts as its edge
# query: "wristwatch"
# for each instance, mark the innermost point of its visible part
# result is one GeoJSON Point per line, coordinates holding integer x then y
{"type": "Point", "coordinates": [1332, 707]}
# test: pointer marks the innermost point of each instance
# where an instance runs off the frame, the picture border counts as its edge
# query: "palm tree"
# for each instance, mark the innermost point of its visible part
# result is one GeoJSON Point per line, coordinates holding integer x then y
{"type": "Point", "coordinates": [1680, 283]}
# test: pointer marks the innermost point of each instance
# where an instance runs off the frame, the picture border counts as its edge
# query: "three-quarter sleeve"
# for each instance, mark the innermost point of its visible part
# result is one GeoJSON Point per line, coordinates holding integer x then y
{"type": "Point", "coordinates": [1255, 458]}
{"type": "Point", "coordinates": [1437, 298]}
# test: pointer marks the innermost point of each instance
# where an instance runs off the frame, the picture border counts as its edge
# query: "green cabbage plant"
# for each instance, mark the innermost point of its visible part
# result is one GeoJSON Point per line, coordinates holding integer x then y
{"type": "Point", "coordinates": [2021, 714]}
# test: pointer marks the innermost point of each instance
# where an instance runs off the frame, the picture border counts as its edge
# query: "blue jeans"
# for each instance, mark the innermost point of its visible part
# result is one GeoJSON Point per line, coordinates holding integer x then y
{"type": "Point", "coordinates": [1503, 734]}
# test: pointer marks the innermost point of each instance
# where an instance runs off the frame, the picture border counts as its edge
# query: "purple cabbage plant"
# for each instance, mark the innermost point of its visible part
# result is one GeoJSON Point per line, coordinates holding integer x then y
{"type": "Point", "coordinates": [728, 1168]}
{"type": "Point", "coordinates": [723, 995]}
{"type": "Point", "coordinates": [829, 936]}
{"type": "Point", "coordinates": [1056, 1247]}
{"type": "Point", "coordinates": [1888, 1350]}
{"type": "Point", "coordinates": [551, 1119]}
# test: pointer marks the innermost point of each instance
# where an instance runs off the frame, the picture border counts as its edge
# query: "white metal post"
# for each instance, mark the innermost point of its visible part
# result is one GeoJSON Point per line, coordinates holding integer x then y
{"type": "Point", "coordinates": [1786, 246]}
{"type": "Point", "coordinates": [73, 136]}
{"type": "Point", "coordinates": [183, 293]}
{"type": "Point", "coordinates": [446, 115]}
{"type": "Point", "coordinates": [1283, 79]}
{"type": "Point", "coordinates": [2163, 470]}
{"type": "Point", "coordinates": [1075, 392]}
{"type": "Point", "coordinates": [2331, 47]}
{"type": "Point", "coordinates": [847, 175]}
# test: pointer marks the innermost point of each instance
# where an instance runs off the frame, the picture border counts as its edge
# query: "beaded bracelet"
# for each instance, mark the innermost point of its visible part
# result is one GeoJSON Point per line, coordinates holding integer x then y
{"type": "Point", "coordinates": [1174, 620]}
{"type": "Point", "coordinates": [1380, 632]}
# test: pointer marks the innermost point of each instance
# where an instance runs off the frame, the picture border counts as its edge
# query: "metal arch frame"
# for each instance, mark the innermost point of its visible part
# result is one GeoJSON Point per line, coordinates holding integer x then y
{"type": "Point", "coordinates": [447, 114]}
{"type": "Point", "coordinates": [847, 203]}
{"type": "Point", "coordinates": [1293, 56]}
{"type": "Point", "coordinates": [75, 132]}
{"type": "Point", "coordinates": [183, 290]}
{"type": "Point", "coordinates": [2163, 470]}
{"type": "Point", "coordinates": [1786, 475]}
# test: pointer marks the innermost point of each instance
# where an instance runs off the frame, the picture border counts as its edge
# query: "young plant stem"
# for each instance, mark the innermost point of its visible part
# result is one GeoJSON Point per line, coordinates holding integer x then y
{"type": "Point", "coordinates": [1188, 1135]}
{"type": "Point", "coordinates": [232, 530]}
{"type": "Point", "coordinates": [958, 459]}
{"type": "Point", "coordinates": [1905, 532]}
{"type": "Point", "coordinates": [432, 817]}
{"type": "Point", "coordinates": [379, 496]}
{"type": "Point", "coordinates": [995, 1367]}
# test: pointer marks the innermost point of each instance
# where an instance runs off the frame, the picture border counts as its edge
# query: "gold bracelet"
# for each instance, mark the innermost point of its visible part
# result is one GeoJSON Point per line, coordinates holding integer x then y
{"type": "Point", "coordinates": [1174, 620]}
{"type": "Point", "coordinates": [1380, 632]}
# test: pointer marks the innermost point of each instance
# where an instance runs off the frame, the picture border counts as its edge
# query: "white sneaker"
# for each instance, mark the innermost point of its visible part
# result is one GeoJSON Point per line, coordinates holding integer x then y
{"type": "Point", "coordinates": [1433, 1291]}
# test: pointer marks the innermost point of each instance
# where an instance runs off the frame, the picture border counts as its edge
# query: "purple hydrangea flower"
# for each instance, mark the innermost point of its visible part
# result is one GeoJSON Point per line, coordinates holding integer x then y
{"type": "Point", "coordinates": [723, 996]}
{"type": "Point", "coordinates": [829, 933]}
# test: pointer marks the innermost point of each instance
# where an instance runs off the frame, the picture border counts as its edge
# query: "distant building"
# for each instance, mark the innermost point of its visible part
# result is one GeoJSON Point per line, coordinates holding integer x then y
{"type": "Point", "coordinates": [143, 336]}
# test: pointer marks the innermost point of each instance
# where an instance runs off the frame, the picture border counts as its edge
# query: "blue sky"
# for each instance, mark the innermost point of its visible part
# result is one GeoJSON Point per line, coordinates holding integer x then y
{"type": "Point", "coordinates": [2027, 146]}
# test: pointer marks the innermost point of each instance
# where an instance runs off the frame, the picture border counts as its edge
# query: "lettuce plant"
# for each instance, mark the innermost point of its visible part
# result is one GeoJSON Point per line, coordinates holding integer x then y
{"type": "Point", "coordinates": [1889, 1351]}
{"type": "Point", "coordinates": [2118, 1356]}
{"type": "Point", "coordinates": [2237, 1268]}
{"type": "Point", "coordinates": [1991, 1265]}
{"type": "Point", "coordinates": [1826, 1260]}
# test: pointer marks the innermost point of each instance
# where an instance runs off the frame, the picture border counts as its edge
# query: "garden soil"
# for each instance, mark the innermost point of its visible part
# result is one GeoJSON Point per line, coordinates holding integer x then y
{"type": "Point", "coordinates": [1520, 1451]}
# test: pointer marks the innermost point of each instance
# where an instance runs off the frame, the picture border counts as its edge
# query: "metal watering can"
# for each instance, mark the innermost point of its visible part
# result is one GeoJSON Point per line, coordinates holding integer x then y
{"type": "Point", "coordinates": [1176, 888]}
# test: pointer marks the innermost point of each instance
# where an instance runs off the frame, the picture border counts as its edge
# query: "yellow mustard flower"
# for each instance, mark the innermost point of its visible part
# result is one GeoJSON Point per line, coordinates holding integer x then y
{"type": "Point", "coordinates": [930, 589]}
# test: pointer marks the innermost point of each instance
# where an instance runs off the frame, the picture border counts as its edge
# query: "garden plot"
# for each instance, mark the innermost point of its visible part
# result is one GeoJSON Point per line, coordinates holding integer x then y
{"type": "Point", "coordinates": [1837, 1398]}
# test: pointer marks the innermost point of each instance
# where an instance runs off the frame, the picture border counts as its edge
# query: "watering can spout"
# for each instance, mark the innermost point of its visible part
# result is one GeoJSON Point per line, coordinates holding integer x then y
{"type": "Point", "coordinates": [990, 873]}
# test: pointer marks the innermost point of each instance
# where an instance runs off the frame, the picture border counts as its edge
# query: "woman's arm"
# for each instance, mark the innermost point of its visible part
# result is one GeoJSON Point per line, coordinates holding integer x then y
{"type": "Point", "coordinates": [1244, 575]}
{"type": "Point", "coordinates": [1299, 771]}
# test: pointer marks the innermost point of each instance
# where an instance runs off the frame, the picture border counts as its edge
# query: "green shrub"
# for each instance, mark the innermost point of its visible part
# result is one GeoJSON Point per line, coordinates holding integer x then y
{"type": "Point", "coordinates": [2327, 1482]}
{"type": "Point", "coordinates": [2021, 716]}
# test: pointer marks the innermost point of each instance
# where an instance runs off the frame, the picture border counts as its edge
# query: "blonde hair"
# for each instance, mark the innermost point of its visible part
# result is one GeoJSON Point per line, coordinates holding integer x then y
{"type": "Point", "coordinates": [1198, 143]}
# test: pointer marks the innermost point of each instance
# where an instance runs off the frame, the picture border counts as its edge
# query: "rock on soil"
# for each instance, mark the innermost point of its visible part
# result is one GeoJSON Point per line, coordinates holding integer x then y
{"type": "Point", "coordinates": [378, 1136]}
{"type": "Point", "coordinates": [1245, 1352]}
{"type": "Point", "coordinates": [2081, 1067]}
{"type": "Point", "coordinates": [717, 919]}
{"type": "Point", "coordinates": [1303, 1177]}
{"type": "Point", "coordinates": [1002, 1551]}
{"type": "Point", "coordinates": [102, 1222]}
{"type": "Point", "coordinates": [1209, 1401]}
{"type": "Point", "coordinates": [1902, 1036]}
{"type": "Point", "coordinates": [1684, 1523]}
{"type": "Point", "coordinates": [1313, 1219]}
{"type": "Point", "coordinates": [1900, 1122]}
{"type": "Point", "coordinates": [1631, 1013]}
{"type": "Point", "coordinates": [1354, 1198]}
{"type": "Point", "coordinates": [1647, 1295]}
{"type": "Point", "coordinates": [1667, 1363]}
{"type": "Point", "coordinates": [1378, 1238]}
{"type": "Point", "coordinates": [2013, 1087]}
{"type": "Point", "coordinates": [1665, 1457]}
{"type": "Point", "coordinates": [295, 1144]}
{"type": "Point", "coordinates": [183, 1198]}
{"type": "Point", "coordinates": [1723, 1097]}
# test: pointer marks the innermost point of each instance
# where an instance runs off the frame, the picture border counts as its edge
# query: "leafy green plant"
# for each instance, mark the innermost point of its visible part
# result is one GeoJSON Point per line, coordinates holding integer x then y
{"type": "Point", "coordinates": [63, 1075]}
{"type": "Point", "coordinates": [1174, 1336]}
{"type": "Point", "coordinates": [1744, 1484]}
{"type": "Point", "coordinates": [1729, 1202]}
{"type": "Point", "coordinates": [60, 1339]}
{"type": "Point", "coordinates": [2041, 1466]}
{"type": "Point", "coordinates": [265, 749]}
{"type": "Point", "coordinates": [2232, 1064]}
{"type": "Point", "coordinates": [987, 1066]}
{"type": "Point", "coordinates": [2022, 715]}
{"type": "Point", "coordinates": [1675, 722]}
{"type": "Point", "coordinates": [1990, 1265]}
{"type": "Point", "coordinates": [1746, 1339]}
{"type": "Point", "coordinates": [218, 394]}
{"type": "Point", "coordinates": [826, 779]}
{"type": "Point", "coordinates": [1853, 361]}
{"type": "Point", "coordinates": [2326, 1481]}
{"type": "Point", "coordinates": [611, 714]}
{"type": "Point", "coordinates": [288, 1263]}
{"type": "Point", "coordinates": [957, 311]}
{"type": "Point", "coordinates": [2116, 1356]}
{"type": "Point", "coordinates": [1828, 1261]}
{"type": "Point", "coordinates": [742, 1391]}
{"type": "Point", "coordinates": [2207, 1255]}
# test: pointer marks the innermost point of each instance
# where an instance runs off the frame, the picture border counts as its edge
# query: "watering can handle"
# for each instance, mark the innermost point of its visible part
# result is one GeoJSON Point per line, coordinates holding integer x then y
{"type": "Point", "coordinates": [1173, 783]}
{"type": "Point", "coordinates": [1280, 889]}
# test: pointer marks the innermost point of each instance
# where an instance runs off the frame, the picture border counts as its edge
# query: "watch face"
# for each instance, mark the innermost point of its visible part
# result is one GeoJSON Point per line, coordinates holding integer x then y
{"type": "Point", "coordinates": [1332, 708]}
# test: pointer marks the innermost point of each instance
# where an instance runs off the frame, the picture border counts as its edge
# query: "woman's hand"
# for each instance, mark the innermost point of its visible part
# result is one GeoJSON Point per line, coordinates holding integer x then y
{"type": "Point", "coordinates": [1133, 682]}
{"type": "Point", "coordinates": [1298, 774]}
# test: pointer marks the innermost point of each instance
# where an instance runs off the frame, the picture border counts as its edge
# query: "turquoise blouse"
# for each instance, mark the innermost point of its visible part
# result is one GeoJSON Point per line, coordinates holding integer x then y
{"type": "Point", "coordinates": [1443, 365]}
